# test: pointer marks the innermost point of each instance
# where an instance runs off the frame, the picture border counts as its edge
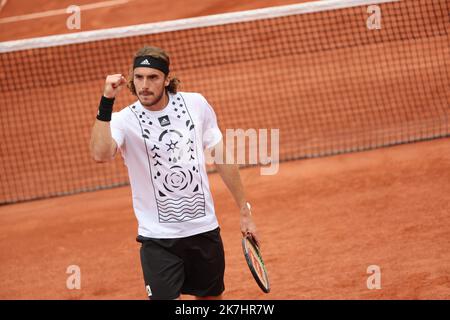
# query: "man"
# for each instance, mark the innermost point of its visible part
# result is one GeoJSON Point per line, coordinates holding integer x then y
{"type": "Point", "coordinates": [162, 138]}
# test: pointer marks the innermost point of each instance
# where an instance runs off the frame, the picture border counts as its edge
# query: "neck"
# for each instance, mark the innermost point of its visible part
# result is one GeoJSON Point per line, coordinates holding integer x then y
{"type": "Point", "coordinates": [161, 104]}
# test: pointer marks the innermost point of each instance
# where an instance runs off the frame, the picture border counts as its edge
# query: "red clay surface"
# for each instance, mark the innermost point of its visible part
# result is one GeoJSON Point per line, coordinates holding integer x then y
{"type": "Point", "coordinates": [322, 222]}
{"type": "Point", "coordinates": [133, 12]}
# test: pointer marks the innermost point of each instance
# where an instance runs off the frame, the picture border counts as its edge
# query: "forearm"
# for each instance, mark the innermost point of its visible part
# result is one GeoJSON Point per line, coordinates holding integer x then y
{"type": "Point", "coordinates": [102, 145]}
{"type": "Point", "coordinates": [230, 175]}
{"type": "Point", "coordinates": [232, 179]}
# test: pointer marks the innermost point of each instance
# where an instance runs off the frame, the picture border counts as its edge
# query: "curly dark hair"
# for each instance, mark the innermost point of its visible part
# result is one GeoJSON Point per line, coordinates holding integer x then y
{"type": "Point", "coordinates": [156, 53]}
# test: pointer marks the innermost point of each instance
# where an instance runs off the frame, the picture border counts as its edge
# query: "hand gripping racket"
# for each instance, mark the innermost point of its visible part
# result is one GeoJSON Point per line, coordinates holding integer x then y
{"type": "Point", "coordinates": [255, 263]}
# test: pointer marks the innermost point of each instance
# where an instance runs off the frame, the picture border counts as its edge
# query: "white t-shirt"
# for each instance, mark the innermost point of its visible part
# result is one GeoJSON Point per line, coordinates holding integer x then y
{"type": "Point", "coordinates": [164, 153]}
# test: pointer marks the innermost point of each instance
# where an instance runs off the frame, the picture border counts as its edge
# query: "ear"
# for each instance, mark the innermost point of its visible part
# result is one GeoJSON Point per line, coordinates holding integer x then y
{"type": "Point", "coordinates": [167, 81]}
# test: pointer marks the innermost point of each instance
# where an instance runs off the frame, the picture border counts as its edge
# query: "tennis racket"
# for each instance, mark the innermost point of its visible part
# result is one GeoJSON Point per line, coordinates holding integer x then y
{"type": "Point", "coordinates": [255, 263]}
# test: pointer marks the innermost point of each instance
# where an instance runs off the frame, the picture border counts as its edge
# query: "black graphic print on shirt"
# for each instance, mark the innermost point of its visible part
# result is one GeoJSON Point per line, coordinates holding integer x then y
{"type": "Point", "coordinates": [171, 147]}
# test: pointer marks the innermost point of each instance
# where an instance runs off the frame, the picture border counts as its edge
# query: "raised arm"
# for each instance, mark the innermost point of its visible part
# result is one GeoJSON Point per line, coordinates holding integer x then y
{"type": "Point", "coordinates": [102, 146]}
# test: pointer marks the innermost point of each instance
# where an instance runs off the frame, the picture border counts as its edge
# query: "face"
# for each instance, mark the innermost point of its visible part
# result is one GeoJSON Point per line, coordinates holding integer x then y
{"type": "Point", "coordinates": [150, 85]}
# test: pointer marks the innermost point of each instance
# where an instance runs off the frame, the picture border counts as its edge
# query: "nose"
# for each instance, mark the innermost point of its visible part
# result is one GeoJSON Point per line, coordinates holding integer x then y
{"type": "Point", "coordinates": [145, 84]}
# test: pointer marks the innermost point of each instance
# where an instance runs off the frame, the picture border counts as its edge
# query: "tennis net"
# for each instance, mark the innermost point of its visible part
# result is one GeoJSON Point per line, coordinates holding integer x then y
{"type": "Point", "coordinates": [332, 76]}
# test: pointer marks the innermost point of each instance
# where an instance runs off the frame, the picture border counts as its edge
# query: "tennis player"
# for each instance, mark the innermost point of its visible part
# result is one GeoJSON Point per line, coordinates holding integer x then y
{"type": "Point", "coordinates": [162, 138]}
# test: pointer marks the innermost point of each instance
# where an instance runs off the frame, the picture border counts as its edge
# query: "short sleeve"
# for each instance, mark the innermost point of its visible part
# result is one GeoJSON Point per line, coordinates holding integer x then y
{"type": "Point", "coordinates": [117, 132]}
{"type": "Point", "coordinates": [211, 132]}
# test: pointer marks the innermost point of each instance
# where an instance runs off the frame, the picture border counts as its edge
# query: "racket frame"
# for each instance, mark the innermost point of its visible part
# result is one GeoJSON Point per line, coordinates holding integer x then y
{"type": "Point", "coordinates": [250, 263]}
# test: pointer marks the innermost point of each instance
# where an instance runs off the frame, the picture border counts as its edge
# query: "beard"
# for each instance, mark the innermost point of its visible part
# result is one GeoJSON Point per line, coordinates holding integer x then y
{"type": "Point", "coordinates": [150, 99]}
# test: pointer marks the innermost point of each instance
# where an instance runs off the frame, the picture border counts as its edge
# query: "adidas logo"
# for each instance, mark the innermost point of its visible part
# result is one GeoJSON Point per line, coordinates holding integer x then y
{"type": "Point", "coordinates": [149, 291]}
{"type": "Point", "coordinates": [164, 121]}
{"type": "Point", "coordinates": [146, 62]}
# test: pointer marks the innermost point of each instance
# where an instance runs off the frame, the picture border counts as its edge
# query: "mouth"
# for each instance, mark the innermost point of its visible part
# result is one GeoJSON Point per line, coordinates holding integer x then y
{"type": "Point", "coordinates": [146, 94]}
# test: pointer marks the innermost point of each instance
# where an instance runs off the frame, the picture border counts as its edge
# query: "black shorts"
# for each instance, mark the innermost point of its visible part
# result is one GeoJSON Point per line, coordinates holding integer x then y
{"type": "Point", "coordinates": [193, 265]}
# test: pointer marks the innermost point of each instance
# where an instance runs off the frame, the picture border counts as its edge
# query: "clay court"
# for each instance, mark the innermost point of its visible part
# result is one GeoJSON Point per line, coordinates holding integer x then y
{"type": "Point", "coordinates": [323, 220]}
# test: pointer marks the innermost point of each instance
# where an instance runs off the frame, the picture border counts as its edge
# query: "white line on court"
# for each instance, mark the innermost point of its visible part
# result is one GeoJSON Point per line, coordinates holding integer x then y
{"type": "Point", "coordinates": [56, 12]}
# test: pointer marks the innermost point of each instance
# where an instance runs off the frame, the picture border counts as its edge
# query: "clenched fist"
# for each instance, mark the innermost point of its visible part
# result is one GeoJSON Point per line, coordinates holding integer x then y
{"type": "Point", "coordinates": [113, 84]}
